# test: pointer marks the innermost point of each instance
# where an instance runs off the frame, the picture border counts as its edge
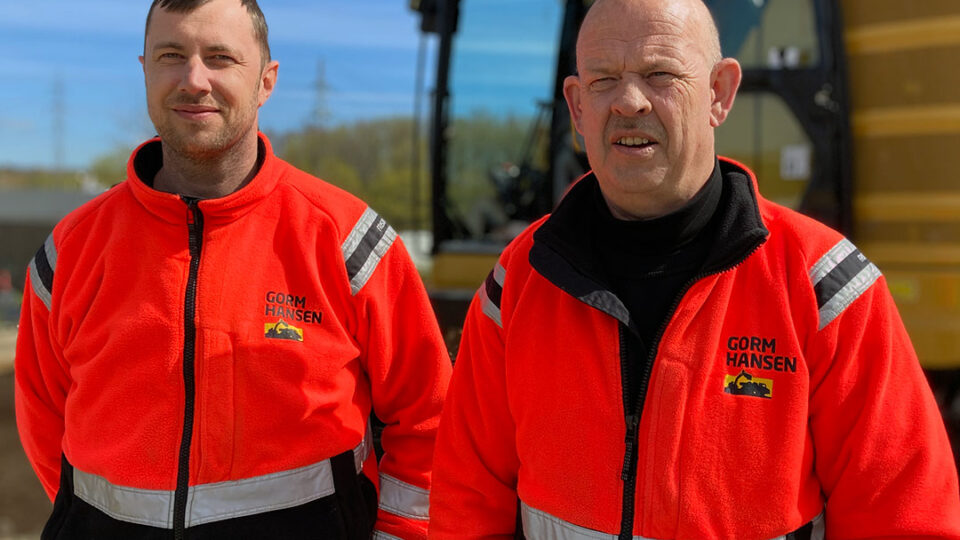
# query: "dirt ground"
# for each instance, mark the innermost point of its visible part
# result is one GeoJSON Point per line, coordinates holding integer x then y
{"type": "Point", "coordinates": [23, 505]}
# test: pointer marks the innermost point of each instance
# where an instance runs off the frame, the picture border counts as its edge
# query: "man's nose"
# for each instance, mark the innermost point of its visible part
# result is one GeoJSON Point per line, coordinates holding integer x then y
{"type": "Point", "coordinates": [196, 77]}
{"type": "Point", "coordinates": [631, 99]}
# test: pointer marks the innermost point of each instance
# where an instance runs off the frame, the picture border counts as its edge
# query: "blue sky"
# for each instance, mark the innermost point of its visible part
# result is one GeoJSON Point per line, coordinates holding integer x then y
{"type": "Point", "coordinates": [368, 47]}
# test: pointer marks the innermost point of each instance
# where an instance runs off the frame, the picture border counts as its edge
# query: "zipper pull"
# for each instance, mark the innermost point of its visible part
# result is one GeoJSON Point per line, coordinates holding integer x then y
{"type": "Point", "coordinates": [193, 222]}
{"type": "Point", "coordinates": [629, 457]}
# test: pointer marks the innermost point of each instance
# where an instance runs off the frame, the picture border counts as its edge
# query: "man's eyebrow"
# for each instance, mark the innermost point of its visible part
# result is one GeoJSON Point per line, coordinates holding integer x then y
{"type": "Point", "coordinates": [218, 47]}
{"type": "Point", "coordinates": [599, 66]}
{"type": "Point", "coordinates": [168, 45]}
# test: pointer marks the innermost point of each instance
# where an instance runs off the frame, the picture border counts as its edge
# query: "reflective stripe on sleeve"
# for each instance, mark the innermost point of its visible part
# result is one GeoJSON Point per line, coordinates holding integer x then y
{"type": "Point", "coordinates": [380, 535]}
{"type": "Point", "coordinates": [41, 269]}
{"type": "Point", "coordinates": [839, 278]}
{"type": "Point", "coordinates": [403, 499]}
{"type": "Point", "coordinates": [366, 244]}
{"type": "Point", "coordinates": [830, 260]}
{"type": "Point", "coordinates": [539, 524]}
{"type": "Point", "coordinates": [491, 291]}
{"type": "Point", "coordinates": [208, 503]}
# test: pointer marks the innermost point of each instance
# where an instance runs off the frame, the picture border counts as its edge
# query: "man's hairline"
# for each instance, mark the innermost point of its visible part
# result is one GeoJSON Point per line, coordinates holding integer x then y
{"type": "Point", "coordinates": [262, 47]}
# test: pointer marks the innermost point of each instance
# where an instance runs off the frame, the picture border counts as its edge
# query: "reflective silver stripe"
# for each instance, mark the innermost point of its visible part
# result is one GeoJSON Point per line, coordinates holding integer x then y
{"type": "Point", "coordinates": [538, 525]}
{"type": "Point", "coordinates": [51, 250]}
{"type": "Point", "coordinates": [499, 273]}
{"type": "Point", "coordinates": [819, 528]}
{"type": "Point", "coordinates": [141, 506]}
{"type": "Point", "coordinates": [403, 499]}
{"type": "Point", "coordinates": [850, 292]}
{"type": "Point", "coordinates": [380, 535]}
{"type": "Point", "coordinates": [830, 260]}
{"type": "Point", "coordinates": [215, 502]}
{"type": "Point", "coordinates": [359, 230]}
{"type": "Point", "coordinates": [38, 288]}
{"type": "Point", "coordinates": [208, 503]}
{"type": "Point", "coordinates": [489, 307]}
{"type": "Point", "coordinates": [383, 245]}
{"type": "Point", "coordinates": [363, 450]}
{"type": "Point", "coordinates": [369, 254]}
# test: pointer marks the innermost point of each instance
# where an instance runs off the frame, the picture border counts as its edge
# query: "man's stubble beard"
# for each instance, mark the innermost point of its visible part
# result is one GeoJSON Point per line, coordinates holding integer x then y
{"type": "Point", "coordinates": [199, 145]}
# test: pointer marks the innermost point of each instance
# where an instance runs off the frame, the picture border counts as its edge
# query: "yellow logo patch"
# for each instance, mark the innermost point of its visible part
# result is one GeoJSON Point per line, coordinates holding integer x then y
{"type": "Point", "coordinates": [282, 330]}
{"type": "Point", "coordinates": [744, 384]}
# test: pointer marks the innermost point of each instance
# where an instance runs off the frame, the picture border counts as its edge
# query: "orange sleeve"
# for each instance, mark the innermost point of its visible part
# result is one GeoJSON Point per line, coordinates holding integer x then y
{"type": "Point", "coordinates": [409, 370]}
{"type": "Point", "coordinates": [40, 390]}
{"type": "Point", "coordinates": [475, 465]}
{"type": "Point", "coordinates": [882, 453]}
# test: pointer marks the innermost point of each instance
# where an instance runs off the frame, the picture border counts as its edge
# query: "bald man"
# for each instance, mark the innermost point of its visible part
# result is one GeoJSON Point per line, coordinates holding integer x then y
{"type": "Point", "coordinates": [669, 355]}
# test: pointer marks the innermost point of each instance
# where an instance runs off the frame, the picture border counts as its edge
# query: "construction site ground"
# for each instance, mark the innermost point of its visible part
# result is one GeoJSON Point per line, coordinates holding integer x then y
{"type": "Point", "coordinates": [23, 506]}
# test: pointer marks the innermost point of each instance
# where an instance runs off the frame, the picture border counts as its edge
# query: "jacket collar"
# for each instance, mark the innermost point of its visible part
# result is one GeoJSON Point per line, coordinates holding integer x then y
{"type": "Point", "coordinates": [563, 245]}
{"type": "Point", "coordinates": [172, 208]}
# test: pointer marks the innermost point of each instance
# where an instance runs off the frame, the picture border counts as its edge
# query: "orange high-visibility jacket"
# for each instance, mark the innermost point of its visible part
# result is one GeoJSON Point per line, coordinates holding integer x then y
{"type": "Point", "coordinates": [782, 396]}
{"type": "Point", "coordinates": [210, 366]}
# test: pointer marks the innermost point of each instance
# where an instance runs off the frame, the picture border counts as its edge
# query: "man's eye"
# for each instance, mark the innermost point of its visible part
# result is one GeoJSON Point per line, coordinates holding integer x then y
{"type": "Point", "coordinates": [170, 56]}
{"type": "Point", "coordinates": [603, 83]}
{"type": "Point", "coordinates": [661, 75]}
{"type": "Point", "coordinates": [221, 59]}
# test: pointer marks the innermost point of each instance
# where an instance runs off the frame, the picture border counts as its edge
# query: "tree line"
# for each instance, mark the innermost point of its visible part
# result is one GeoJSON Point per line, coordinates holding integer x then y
{"type": "Point", "coordinates": [378, 160]}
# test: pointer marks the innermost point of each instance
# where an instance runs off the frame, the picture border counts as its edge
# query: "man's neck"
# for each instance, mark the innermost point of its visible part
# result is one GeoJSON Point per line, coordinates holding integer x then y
{"type": "Point", "coordinates": [208, 178]}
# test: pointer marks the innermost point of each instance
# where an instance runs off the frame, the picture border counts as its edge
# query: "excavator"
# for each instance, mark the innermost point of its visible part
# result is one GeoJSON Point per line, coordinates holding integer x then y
{"type": "Point", "coordinates": [849, 111]}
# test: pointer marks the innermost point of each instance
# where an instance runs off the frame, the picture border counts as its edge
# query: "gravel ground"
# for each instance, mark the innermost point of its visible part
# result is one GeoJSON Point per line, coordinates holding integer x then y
{"type": "Point", "coordinates": [23, 505]}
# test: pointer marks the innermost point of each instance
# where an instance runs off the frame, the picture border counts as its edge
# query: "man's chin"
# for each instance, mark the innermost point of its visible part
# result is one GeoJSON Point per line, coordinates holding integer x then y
{"type": "Point", "coordinates": [195, 145]}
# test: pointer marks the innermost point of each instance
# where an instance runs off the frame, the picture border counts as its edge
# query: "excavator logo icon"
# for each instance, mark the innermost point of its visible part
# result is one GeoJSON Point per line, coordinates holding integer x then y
{"type": "Point", "coordinates": [744, 384]}
{"type": "Point", "coordinates": [282, 330]}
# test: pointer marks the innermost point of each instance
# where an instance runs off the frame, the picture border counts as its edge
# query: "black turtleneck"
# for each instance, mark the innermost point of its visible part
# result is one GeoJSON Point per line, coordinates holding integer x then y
{"type": "Point", "coordinates": [647, 262]}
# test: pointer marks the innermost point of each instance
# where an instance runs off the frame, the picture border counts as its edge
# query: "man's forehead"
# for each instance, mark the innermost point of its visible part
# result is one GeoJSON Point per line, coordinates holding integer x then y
{"type": "Point", "coordinates": [215, 21]}
{"type": "Point", "coordinates": [644, 20]}
{"type": "Point", "coordinates": [607, 52]}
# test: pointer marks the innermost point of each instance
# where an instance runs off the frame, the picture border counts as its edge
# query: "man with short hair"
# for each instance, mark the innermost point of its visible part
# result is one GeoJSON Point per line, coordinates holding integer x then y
{"type": "Point", "coordinates": [669, 355]}
{"type": "Point", "coordinates": [200, 347]}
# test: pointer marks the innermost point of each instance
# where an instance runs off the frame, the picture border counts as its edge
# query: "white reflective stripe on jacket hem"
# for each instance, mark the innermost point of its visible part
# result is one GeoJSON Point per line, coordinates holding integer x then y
{"type": "Point", "coordinates": [403, 499]}
{"type": "Point", "coordinates": [539, 525]}
{"type": "Point", "coordinates": [380, 535]}
{"type": "Point", "coordinates": [208, 503]}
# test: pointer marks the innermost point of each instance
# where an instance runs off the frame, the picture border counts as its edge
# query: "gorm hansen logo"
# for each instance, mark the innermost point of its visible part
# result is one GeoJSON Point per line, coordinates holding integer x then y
{"type": "Point", "coordinates": [282, 330]}
{"type": "Point", "coordinates": [287, 307]}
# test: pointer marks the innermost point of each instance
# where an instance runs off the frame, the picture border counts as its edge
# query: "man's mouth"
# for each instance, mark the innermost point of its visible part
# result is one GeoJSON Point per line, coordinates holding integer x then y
{"type": "Point", "coordinates": [195, 112]}
{"type": "Point", "coordinates": [634, 142]}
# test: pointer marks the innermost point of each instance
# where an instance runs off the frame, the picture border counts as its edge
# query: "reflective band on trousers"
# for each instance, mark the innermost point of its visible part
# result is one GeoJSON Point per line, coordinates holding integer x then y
{"type": "Point", "coordinates": [208, 503]}
{"type": "Point", "coordinates": [539, 525]}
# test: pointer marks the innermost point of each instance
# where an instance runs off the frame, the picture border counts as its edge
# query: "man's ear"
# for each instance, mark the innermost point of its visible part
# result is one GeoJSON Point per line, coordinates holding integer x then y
{"type": "Point", "coordinates": [724, 82]}
{"type": "Point", "coordinates": [268, 79]}
{"type": "Point", "coordinates": [571, 91]}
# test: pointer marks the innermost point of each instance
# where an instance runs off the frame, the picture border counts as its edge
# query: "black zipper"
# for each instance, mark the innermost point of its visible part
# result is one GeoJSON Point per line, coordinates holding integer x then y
{"type": "Point", "coordinates": [635, 410]}
{"type": "Point", "coordinates": [195, 230]}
